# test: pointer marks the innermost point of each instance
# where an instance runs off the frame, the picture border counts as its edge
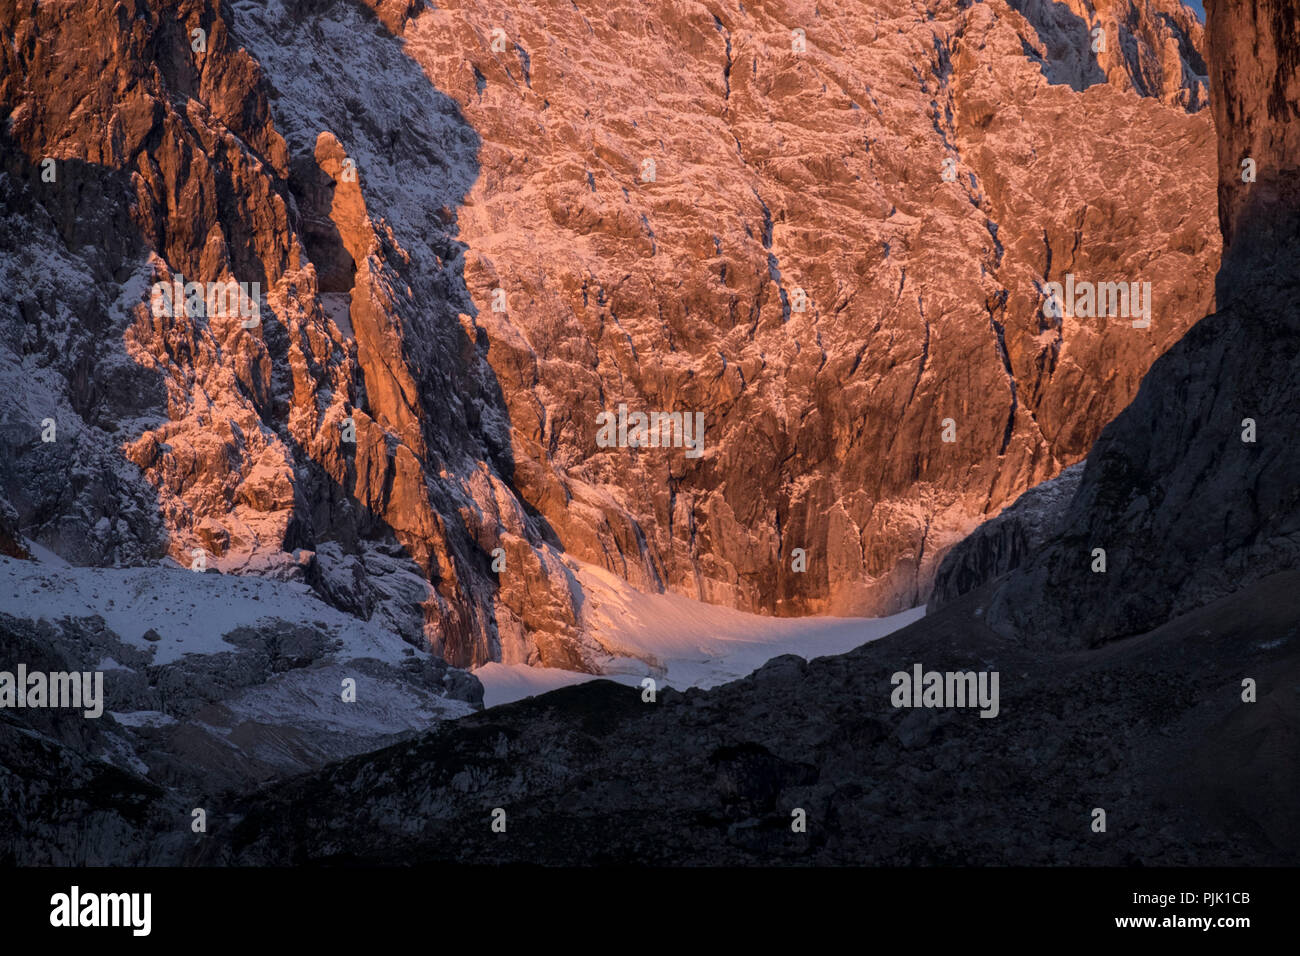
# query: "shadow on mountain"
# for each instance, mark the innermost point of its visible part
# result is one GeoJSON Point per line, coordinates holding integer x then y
{"type": "Point", "coordinates": [436, 420]}
{"type": "Point", "coordinates": [71, 385]}
{"type": "Point", "coordinates": [1067, 38]}
{"type": "Point", "coordinates": [391, 274]}
{"type": "Point", "coordinates": [1156, 697]}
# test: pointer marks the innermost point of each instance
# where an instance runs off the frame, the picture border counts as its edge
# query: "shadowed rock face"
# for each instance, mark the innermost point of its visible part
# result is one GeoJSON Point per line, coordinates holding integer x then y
{"type": "Point", "coordinates": [796, 270]}
{"type": "Point", "coordinates": [1003, 543]}
{"type": "Point", "coordinates": [1192, 490]}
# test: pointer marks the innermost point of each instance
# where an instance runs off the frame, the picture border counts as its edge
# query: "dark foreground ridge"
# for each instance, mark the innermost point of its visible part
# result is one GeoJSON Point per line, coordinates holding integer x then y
{"type": "Point", "coordinates": [1153, 730]}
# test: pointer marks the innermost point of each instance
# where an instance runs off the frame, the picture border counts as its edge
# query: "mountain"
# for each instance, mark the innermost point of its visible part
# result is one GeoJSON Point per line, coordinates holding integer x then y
{"type": "Point", "coordinates": [1182, 733]}
{"type": "Point", "coordinates": [458, 264]}
{"type": "Point", "coordinates": [472, 230]}
{"type": "Point", "coordinates": [1191, 491]}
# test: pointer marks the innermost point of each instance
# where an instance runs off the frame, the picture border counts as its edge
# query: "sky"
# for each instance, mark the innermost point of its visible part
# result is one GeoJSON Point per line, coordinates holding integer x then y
{"type": "Point", "coordinates": [1198, 6]}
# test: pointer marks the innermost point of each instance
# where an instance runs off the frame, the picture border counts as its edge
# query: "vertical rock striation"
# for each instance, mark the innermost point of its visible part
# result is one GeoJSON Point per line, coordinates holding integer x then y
{"type": "Point", "coordinates": [1192, 490]}
{"type": "Point", "coordinates": [476, 228]}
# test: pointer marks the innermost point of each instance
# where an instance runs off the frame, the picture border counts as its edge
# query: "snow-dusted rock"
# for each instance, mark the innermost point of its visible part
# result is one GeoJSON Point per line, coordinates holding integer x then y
{"type": "Point", "coordinates": [711, 208]}
{"type": "Point", "coordinates": [214, 681]}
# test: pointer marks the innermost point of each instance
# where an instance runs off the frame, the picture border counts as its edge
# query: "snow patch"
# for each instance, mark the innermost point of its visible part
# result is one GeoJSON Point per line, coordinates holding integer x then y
{"type": "Point", "coordinates": [189, 612]}
{"type": "Point", "coordinates": [681, 642]}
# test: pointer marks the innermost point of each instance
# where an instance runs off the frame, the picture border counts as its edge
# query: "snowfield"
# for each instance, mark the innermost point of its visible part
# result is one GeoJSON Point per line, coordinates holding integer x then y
{"type": "Point", "coordinates": [678, 641]}
{"type": "Point", "coordinates": [221, 680]}
{"type": "Point", "coordinates": [188, 612]}
{"type": "Point", "coordinates": [681, 642]}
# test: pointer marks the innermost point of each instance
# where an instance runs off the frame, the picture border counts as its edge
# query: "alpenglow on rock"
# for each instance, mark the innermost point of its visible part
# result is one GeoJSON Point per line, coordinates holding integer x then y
{"type": "Point", "coordinates": [476, 229]}
{"type": "Point", "coordinates": [1192, 490]}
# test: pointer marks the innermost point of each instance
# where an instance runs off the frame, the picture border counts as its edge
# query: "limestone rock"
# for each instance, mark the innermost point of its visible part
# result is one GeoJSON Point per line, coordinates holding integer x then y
{"type": "Point", "coordinates": [1192, 489]}
{"type": "Point", "coordinates": [471, 230]}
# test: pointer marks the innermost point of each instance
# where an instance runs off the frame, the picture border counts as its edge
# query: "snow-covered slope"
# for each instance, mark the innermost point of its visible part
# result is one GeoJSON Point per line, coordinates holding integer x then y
{"type": "Point", "coordinates": [213, 680]}
{"type": "Point", "coordinates": [164, 633]}
{"type": "Point", "coordinates": [680, 642]}
{"type": "Point", "coordinates": [187, 612]}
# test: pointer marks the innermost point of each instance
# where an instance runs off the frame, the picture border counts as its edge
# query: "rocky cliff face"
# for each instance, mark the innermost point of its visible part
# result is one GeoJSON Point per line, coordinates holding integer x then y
{"type": "Point", "coordinates": [1256, 75]}
{"type": "Point", "coordinates": [475, 229]}
{"type": "Point", "coordinates": [1191, 492]}
{"type": "Point", "coordinates": [783, 179]}
{"type": "Point", "coordinates": [1003, 543]}
{"type": "Point", "coordinates": [1155, 49]}
{"type": "Point", "coordinates": [352, 437]}
{"type": "Point", "coordinates": [1200, 528]}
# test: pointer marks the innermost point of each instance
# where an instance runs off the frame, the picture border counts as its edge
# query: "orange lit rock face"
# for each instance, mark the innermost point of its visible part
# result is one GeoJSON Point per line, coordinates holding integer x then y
{"type": "Point", "coordinates": [656, 192]}
{"type": "Point", "coordinates": [776, 171]}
